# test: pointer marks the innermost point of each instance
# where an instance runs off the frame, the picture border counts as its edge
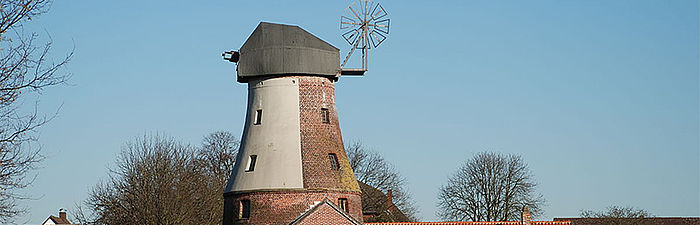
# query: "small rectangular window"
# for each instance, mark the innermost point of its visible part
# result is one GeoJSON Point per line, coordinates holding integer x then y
{"type": "Point", "coordinates": [325, 115]}
{"type": "Point", "coordinates": [258, 117]}
{"type": "Point", "coordinates": [334, 161]}
{"type": "Point", "coordinates": [251, 163]}
{"type": "Point", "coordinates": [244, 212]}
{"type": "Point", "coordinates": [343, 204]}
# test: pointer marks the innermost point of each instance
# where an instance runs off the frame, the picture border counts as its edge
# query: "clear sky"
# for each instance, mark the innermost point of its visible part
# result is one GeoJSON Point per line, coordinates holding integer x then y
{"type": "Point", "coordinates": [599, 96]}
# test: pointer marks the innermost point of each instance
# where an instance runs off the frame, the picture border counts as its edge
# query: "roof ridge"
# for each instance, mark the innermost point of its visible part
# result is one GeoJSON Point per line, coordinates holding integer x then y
{"type": "Point", "coordinates": [472, 222]}
{"type": "Point", "coordinates": [317, 205]}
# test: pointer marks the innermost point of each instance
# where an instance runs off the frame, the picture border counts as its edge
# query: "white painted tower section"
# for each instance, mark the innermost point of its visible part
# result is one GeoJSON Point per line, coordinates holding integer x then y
{"type": "Point", "coordinates": [276, 140]}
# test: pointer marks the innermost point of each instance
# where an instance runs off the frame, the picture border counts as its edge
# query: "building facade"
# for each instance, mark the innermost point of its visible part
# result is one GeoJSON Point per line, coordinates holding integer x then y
{"type": "Point", "coordinates": [292, 157]}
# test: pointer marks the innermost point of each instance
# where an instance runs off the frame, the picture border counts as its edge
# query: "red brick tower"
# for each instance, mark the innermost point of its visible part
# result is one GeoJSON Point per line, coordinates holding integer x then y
{"type": "Point", "coordinates": [292, 155]}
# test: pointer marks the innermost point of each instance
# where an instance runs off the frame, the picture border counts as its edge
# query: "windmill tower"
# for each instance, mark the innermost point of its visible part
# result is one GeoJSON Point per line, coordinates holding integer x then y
{"type": "Point", "coordinates": [292, 162]}
{"type": "Point", "coordinates": [292, 155]}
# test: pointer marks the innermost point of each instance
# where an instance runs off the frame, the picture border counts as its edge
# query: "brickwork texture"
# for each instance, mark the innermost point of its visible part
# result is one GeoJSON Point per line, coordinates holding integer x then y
{"type": "Point", "coordinates": [282, 207]}
{"type": "Point", "coordinates": [325, 215]}
{"type": "Point", "coordinates": [319, 138]}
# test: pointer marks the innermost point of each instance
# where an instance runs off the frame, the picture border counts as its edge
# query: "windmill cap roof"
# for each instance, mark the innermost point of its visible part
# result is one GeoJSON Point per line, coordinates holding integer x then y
{"type": "Point", "coordinates": [278, 49]}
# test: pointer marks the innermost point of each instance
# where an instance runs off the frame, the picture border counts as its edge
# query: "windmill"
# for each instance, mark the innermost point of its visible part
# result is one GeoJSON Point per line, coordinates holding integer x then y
{"type": "Point", "coordinates": [290, 75]}
{"type": "Point", "coordinates": [365, 26]}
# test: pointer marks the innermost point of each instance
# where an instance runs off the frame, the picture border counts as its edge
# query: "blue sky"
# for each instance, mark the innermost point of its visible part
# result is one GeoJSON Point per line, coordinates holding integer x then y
{"type": "Point", "coordinates": [599, 97]}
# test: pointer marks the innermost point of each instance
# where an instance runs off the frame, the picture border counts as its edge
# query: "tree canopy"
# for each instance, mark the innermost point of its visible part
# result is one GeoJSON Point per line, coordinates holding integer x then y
{"type": "Point", "coordinates": [490, 187]}
{"type": "Point", "coordinates": [618, 215]}
{"type": "Point", "coordinates": [158, 181]}
{"type": "Point", "coordinates": [377, 177]}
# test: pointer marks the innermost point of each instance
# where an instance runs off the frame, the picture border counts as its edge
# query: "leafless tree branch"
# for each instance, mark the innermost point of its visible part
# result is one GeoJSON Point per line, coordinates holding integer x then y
{"type": "Point", "coordinates": [25, 68]}
{"type": "Point", "coordinates": [489, 187]}
{"type": "Point", "coordinates": [160, 181]}
{"type": "Point", "coordinates": [372, 169]}
{"type": "Point", "coordinates": [618, 215]}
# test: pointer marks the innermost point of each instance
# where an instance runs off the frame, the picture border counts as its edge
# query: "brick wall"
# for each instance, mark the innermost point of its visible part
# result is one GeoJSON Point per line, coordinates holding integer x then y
{"type": "Point", "coordinates": [325, 215]}
{"type": "Point", "coordinates": [282, 207]}
{"type": "Point", "coordinates": [318, 139]}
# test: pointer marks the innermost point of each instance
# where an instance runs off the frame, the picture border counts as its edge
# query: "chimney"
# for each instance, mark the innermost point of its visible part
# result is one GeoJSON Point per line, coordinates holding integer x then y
{"type": "Point", "coordinates": [526, 216]}
{"type": "Point", "coordinates": [62, 214]}
{"type": "Point", "coordinates": [390, 200]}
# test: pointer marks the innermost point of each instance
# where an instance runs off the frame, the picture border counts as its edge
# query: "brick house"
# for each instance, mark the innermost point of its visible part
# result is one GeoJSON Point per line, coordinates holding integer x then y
{"type": "Point", "coordinates": [325, 213]}
{"type": "Point", "coordinates": [475, 223]}
{"type": "Point", "coordinates": [62, 218]}
{"type": "Point", "coordinates": [525, 220]}
{"type": "Point", "coordinates": [379, 207]}
{"type": "Point", "coordinates": [633, 221]}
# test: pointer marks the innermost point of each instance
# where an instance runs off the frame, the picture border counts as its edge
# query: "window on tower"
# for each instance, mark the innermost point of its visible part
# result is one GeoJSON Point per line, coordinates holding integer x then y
{"type": "Point", "coordinates": [244, 212]}
{"type": "Point", "coordinates": [258, 117]}
{"type": "Point", "coordinates": [334, 161]}
{"type": "Point", "coordinates": [251, 163]}
{"type": "Point", "coordinates": [343, 204]}
{"type": "Point", "coordinates": [325, 115]}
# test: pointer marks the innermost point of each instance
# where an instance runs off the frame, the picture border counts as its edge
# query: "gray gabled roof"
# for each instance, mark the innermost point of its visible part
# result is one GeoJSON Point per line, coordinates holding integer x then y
{"type": "Point", "coordinates": [278, 49]}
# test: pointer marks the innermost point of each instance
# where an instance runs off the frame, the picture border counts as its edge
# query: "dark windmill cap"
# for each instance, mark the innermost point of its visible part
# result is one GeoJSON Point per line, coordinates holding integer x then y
{"type": "Point", "coordinates": [278, 49]}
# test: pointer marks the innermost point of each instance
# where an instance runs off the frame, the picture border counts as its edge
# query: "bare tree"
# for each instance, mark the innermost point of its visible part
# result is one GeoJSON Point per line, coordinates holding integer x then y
{"type": "Point", "coordinates": [155, 182]}
{"type": "Point", "coordinates": [161, 181]}
{"type": "Point", "coordinates": [376, 177]}
{"type": "Point", "coordinates": [25, 70]}
{"type": "Point", "coordinates": [489, 187]}
{"type": "Point", "coordinates": [216, 157]}
{"type": "Point", "coordinates": [617, 215]}
{"type": "Point", "coordinates": [218, 154]}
